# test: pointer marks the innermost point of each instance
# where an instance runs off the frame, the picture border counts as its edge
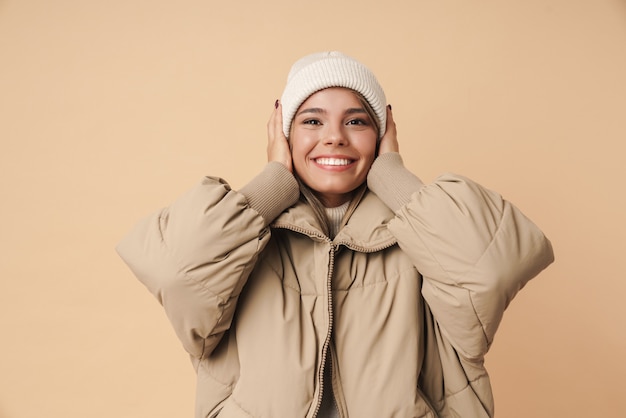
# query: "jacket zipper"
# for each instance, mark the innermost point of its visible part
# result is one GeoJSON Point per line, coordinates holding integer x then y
{"type": "Point", "coordinates": [331, 267]}
{"type": "Point", "coordinates": [320, 376]}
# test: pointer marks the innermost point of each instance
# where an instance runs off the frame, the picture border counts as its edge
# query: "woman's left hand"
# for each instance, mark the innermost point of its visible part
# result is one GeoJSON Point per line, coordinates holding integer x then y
{"type": "Point", "coordinates": [389, 141]}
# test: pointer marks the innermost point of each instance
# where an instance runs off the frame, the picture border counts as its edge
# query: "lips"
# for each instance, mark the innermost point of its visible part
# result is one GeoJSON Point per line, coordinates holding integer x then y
{"type": "Point", "coordinates": [331, 161]}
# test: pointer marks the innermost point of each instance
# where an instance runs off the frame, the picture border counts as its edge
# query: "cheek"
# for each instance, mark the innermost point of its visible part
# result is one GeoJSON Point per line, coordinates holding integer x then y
{"type": "Point", "coordinates": [300, 145]}
{"type": "Point", "coordinates": [298, 155]}
{"type": "Point", "coordinates": [296, 151]}
{"type": "Point", "coordinates": [368, 148]}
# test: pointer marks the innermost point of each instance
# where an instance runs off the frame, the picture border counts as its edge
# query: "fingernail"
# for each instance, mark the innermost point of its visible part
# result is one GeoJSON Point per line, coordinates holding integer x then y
{"type": "Point", "coordinates": [389, 106]}
{"type": "Point", "coordinates": [276, 104]}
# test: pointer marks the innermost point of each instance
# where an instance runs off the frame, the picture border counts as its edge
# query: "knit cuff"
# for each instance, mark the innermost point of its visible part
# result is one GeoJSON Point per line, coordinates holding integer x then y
{"type": "Point", "coordinates": [272, 191]}
{"type": "Point", "coordinates": [391, 181]}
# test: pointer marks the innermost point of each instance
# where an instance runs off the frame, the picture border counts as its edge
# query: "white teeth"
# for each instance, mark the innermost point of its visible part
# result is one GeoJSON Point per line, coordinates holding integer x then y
{"type": "Point", "coordinates": [332, 161]}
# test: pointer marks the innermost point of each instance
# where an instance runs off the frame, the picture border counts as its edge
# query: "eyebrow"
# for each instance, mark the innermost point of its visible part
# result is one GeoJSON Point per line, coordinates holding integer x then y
{"type": "Point", "coordinates": [350, 111]}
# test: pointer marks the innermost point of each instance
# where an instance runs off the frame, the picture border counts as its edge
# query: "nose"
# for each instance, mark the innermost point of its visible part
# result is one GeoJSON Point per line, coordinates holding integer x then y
{"type": "Point", "coordinates": [335, 135]}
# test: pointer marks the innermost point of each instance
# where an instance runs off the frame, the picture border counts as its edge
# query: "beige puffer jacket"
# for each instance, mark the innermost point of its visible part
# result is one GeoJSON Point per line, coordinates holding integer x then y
{"type": "Point", "coordinates": [416, 296]}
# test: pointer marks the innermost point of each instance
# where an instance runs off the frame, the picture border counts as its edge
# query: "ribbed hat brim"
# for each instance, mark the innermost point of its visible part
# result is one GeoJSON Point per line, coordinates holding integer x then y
{"type": "Point", "coordinates": [318, 71]}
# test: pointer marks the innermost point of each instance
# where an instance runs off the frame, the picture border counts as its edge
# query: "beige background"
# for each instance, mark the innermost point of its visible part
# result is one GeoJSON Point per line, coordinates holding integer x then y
{"type": "Point", "coordinates": [111, 109]}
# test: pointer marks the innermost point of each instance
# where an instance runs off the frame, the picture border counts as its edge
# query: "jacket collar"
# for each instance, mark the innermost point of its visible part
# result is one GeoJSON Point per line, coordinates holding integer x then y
{"type": "Point", "coordinates": [366, 228]}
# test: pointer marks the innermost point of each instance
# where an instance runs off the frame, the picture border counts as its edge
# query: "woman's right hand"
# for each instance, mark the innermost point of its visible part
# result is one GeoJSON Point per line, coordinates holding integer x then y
{"type": "Point", "coordinates": [277, 144]}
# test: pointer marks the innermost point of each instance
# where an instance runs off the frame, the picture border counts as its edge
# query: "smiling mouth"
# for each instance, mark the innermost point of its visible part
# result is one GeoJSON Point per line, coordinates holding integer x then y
{"type": "Point", "coordinates": [333, 161]}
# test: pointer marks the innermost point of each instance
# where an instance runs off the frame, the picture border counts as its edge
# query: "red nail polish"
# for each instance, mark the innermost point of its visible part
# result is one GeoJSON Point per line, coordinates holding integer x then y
{"type": "Point", "coordinates": [276, 104]}
{"type": "Point", "coordinates": [389, 106]}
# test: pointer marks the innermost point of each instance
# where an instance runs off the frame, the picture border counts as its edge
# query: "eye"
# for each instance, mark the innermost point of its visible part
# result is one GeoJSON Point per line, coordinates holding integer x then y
{"type": "Point", "coordinates": [361, 122]}
{"type": "Point", "coordinates": [311, 122]}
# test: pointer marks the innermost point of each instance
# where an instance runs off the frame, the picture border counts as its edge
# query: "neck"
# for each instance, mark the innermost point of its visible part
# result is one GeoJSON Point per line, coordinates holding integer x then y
{"type": "Point", "coordinates": [335, 216]}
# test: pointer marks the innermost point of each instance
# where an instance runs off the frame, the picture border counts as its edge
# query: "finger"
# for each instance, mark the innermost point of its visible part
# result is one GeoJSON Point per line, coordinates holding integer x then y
{"type": "Point", "coordinates": [272, 120]}
{"type": "Point", "coordinates": [279, 120]}
{"type": "Point", "coordinates": [390, 121]}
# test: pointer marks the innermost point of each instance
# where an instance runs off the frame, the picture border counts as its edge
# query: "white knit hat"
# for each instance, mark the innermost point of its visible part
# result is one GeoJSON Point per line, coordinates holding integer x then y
{"type": "Point", "coordinates": [330, 69]}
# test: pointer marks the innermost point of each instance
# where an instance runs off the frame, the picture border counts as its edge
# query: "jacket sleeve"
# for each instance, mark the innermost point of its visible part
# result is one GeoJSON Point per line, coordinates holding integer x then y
{"type": "Point", "coordinates": [195, 256]}
{"type": "Point", "coordinates": [475, 251]}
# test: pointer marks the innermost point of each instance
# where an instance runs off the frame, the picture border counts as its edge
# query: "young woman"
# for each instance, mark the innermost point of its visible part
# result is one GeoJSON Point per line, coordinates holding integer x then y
{"type": "Point", "coordinates": [336, 283]}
